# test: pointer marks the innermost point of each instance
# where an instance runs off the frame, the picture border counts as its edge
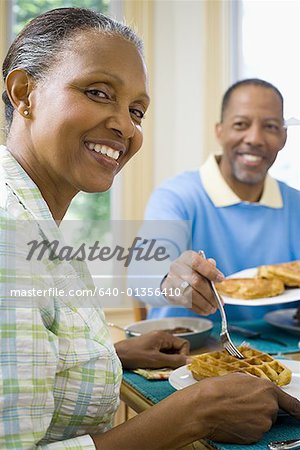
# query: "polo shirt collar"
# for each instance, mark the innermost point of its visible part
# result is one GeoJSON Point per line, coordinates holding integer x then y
{"type": "Point", "coordinates": [222, 195]}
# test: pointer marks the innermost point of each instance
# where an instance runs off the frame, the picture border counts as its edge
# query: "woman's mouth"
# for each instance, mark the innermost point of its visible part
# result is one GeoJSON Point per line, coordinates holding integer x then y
{"type": "Point", "coordinates": [104, 150]}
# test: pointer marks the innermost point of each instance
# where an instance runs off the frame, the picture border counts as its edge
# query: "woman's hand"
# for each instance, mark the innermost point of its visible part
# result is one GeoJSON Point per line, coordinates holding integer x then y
{"type": "Point", "coordinates": [153, 351]}
{"type": "Point", "coordinates": [193, 268]}
{"type": "Point", "coordinates": [240, 408]}
{"type": "Point", "coordinates": [235, 408]}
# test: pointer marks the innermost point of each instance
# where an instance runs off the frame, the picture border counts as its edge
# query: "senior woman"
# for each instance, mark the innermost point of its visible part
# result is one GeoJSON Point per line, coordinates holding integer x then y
{"type": "Point", "coordinates": [75, 96]}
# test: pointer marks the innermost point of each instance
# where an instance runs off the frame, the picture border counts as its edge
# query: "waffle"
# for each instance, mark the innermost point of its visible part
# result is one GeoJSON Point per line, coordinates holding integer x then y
{"type": "Point", "coordinates": [255, 363]}
{"type": "Point", "coordinates": [250, 288]}
{"type": "Point", "coordinates": [288, 273]}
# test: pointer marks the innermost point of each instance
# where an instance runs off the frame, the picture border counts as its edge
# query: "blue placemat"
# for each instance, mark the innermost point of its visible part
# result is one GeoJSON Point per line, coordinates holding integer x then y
{"type": "Point", "coordinates": [266, 330]}
{"type": "Point", "coordinates": [153, 390]}
{"type": "Point", "coordinates": [285, 428]}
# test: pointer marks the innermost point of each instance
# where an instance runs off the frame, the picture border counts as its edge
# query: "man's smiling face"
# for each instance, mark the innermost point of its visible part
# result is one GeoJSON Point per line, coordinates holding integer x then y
{"type": "Point", "coordinates": [251, 134]}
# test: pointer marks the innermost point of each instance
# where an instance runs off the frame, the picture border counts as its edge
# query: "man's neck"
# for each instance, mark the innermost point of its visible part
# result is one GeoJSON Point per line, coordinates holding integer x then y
{"type": "Point", "coordinates": [247, 192]}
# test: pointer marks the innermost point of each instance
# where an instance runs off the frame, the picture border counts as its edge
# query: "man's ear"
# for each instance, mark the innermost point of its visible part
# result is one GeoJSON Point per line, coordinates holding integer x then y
{"type": "Point", "coordinates": [218, 131]}
{"type": "Point", "coordinates": [284, 138]}
{"type": "Point", "coordinates": [18, 85]}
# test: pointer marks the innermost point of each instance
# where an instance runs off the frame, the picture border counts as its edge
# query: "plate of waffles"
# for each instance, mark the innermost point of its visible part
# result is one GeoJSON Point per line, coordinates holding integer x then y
{"type": "Point", "coordinates": [285, 373]}
{"type": "Point", "coordinates": [258, 287]}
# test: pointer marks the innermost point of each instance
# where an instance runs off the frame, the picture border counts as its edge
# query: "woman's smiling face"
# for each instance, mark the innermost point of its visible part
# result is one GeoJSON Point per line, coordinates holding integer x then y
{"type": "Point", "coordinates": [86, 114]}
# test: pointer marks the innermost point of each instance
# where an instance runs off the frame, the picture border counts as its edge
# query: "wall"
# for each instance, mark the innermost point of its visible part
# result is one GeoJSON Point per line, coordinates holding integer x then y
{"type": "Point", "coordinates": [178, 86]}
{"type": "Point", "coordinates": [192, 67]}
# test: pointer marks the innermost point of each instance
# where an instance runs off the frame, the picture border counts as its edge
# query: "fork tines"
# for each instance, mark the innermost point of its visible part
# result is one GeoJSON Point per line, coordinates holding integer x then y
{"type": "Point", "coordinates": [230, 347]}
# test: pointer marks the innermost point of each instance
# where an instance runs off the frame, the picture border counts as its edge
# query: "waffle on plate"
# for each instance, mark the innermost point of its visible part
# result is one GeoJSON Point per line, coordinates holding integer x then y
{"type": "Point", "coordinates": [288, 273]}
{"type": "Point", "coordinates": [250, 288]}
{"type": "Point", "coordinates": [255, 363]}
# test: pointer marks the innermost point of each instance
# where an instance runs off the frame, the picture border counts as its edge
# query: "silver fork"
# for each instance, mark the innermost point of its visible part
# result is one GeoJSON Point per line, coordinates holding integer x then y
{"type": "Point", "coordinates": [224, 335]}
{"type": "Point", "coordinates": [284, 445]}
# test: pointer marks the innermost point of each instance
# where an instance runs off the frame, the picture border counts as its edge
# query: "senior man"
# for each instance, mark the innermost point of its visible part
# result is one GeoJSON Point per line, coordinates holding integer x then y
{"type": "Point", "coordinates": [238, 214]}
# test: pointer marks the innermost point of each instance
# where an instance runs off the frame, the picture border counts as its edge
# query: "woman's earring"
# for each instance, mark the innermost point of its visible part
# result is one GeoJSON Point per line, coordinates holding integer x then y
{"type": "Point", "coordinates": [26, 112]}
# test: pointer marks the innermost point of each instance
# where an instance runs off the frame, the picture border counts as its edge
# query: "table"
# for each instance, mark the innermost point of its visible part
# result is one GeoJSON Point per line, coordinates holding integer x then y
{"type": "Point", "coordinates": [138, 402]}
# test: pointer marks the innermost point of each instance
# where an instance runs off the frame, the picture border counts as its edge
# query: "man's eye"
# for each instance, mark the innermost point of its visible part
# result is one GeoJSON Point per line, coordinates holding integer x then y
{"type": "Point", "coordinates": [272, 127]}
{"type": "Point", "coordinates": [239, 125]}
{"type": "Point", "coordinates": [137, 113]}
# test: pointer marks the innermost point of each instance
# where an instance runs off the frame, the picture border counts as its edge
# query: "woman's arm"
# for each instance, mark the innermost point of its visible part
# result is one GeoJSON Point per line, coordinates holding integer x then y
{"type": "Point", "coordinates": [29, 355]}
{"type": "Point", "coordinates": [236, 408]}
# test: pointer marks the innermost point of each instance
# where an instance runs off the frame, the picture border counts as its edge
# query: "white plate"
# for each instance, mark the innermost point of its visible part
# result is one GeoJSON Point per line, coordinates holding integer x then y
{"type": "Point", "coordinates": [284, 319]}
{"type": "Point", "coordinates": [289, 295]}
{"type": "Point", "coordinates": [182, 377]}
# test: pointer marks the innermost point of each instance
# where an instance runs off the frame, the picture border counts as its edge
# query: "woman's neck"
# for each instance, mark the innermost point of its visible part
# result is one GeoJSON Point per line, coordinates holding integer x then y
{"type": "Point", "coordinates": [57, 198]}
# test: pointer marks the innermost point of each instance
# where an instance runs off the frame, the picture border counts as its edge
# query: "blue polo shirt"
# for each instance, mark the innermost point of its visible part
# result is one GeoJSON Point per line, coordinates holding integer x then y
{"type": "Point", "coordinates": [237, 234]}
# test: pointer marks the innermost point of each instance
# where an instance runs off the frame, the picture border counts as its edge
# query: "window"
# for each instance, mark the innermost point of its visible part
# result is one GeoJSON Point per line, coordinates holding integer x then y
{"type": "Point", "coordinates": [24, 10]}
{"type": "Point", "coordinates": [268, 47]}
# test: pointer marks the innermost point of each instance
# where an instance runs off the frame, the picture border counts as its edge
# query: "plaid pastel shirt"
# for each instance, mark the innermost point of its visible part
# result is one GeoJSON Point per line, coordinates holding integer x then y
{"type": "Point", "coordinates": [59, 372]}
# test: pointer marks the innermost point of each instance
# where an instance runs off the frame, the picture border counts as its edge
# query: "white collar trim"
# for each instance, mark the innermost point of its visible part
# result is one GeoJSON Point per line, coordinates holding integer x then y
{"type": "Point", "coordinates": [222, 195]}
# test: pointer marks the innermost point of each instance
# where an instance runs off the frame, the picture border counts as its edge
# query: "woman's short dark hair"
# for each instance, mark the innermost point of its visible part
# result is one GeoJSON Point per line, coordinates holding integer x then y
{"type": "Point", "coordinates": [248, 82]}
{"type": "Point", "coordinates": [44, 38]}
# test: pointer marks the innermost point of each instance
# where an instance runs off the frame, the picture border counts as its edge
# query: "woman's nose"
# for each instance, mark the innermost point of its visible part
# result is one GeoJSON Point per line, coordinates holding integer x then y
{"type": "Point", "coordinates": [120, 121]}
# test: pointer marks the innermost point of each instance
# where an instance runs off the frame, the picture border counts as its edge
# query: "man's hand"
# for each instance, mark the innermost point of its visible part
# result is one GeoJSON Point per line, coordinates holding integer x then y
{"type": "Point", "coordinates": [191, 267]}
{"type": "Point", "coordinates": [153, 351]}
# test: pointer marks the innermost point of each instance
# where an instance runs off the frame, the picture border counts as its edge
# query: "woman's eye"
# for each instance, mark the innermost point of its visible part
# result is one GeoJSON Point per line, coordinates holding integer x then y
{"type": "Point", "coordinates": [97, 93]}
{"type": "Point", "coordinates": [137, 113]}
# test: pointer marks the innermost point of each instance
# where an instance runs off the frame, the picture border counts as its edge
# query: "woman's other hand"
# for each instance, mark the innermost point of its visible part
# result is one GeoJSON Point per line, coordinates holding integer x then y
{"type": "Point", "coordinates": [153, 350]}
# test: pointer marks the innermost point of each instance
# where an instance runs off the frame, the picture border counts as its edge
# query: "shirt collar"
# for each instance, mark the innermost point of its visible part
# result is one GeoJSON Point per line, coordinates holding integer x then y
{"type": "Point", "coordinates": [23, 186]}
{"type": "Point", "coordinates": [222, 195]}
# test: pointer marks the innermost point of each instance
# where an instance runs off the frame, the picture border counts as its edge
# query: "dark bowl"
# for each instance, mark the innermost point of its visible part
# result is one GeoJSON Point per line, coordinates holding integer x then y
{"type": "Point", "coordinates": [201, 328]}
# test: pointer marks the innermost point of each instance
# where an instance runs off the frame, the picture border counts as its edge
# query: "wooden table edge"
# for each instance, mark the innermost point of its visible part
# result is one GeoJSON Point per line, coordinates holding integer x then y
{"type": "Point", "coordinates": [134, 399]}
{"type": "Point", "coordinates": [139, 403]}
